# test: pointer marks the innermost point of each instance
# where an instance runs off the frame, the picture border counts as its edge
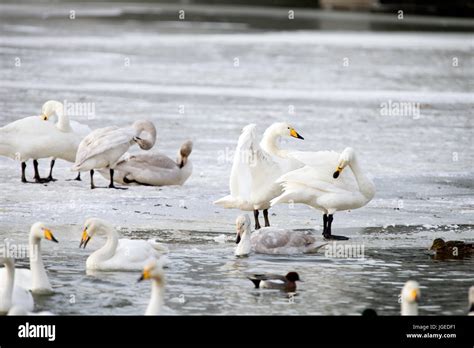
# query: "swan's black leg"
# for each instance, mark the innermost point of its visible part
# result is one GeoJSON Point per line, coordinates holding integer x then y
{"type": "Point", "coordinates": [111, 185]}
{"type": "Point", "coordinates": [37, 175]}
{"type": "Point", "coordinates": [328, 234]}
{"type": "Point", "coordinates": [92, 179]}
{"type": "Point", "coordinates": [325, 224]}
{"type": "Point", "coordinates": [255, 215]}
{"type": "Point", "coordinates": [23, 176]}
{"type": "Point", "coordinates": [265, 216]}
{"type": "Point", "coordinates": [50, 176]}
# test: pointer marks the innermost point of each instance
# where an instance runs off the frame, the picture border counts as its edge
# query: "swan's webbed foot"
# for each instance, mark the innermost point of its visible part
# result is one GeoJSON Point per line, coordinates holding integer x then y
{"type": "Point", "coordinates": [39, 180]}
{"type": "Point", "coordinates": [50, 178]}
{"type": "Point", "coordinates": [334, 237]}
{"type": "Point", "coordinates": [327, 224]}
{"type": "Point", "coordinates": [117, 188]}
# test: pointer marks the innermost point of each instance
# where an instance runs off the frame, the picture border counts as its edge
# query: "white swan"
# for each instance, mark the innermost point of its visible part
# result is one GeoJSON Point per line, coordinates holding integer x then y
{"type": "Point", "coordinates": [255, 169]}
{"type": "Point", "coordinates": [35, 278]}
{"type": "Point", "coordinates": [270, 240]}
{"type": "Point", "coordinates": [18, 310]}
{"type": "Point", "coordinates": [154, 169]}
{"type": "Point", "coordinates": [104, 147]}
{"type": "Point", "coordinates": [409, 298]}
{"type": "Point", "coordinates": [317, 185]}
{"type": "Point", "coordinates": [118, 254]}
{"type": "Point", "coordinates": [34, 138]}
{"type": "Point", "coordinates": [153, 270]}
{"type": "Point", "coordinates": [11, 294]}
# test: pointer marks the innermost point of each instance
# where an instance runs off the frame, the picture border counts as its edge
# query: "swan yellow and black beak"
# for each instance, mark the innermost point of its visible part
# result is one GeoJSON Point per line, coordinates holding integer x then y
{"type": "Point", "coordinates": [49, 236]}
{"type": "Point", "coordinates": [337, 172]}
{"type": "Point", "coordinates": [85, 239]}
{"type": "Point", "coordinates": [44, 117]}
{"type": "Point", "coordinates": [295, 134]}
{"type": "Point", "coordinates": [145, 275]}
{"type": "Point", "coordinates": [414, 295]}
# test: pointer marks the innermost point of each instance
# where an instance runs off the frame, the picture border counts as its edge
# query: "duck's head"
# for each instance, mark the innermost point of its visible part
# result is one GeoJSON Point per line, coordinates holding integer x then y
{"type": "Point", "coordinates": [91, 227]}
{"type": "Point", "coordinates": [242, 224]}
{"type": "Point", "coordinates": [293, 277]}
{"type": "Point", "coordinates": [184, 153]}
{"type": "Point", "coordinates": [284, 129]}
{"type": "Point", "coordinates": [50, 108]}
{"type": "Point", "coordinates": [411, 292]}
{"type": "Point", "coordinates": [438, 244]}
{"type": "Point", "coordinates": [345, 158]}
{"type": "Point", "coordinates": [153, 270]}
{"type": "Point", "coordinates": [39, 231]}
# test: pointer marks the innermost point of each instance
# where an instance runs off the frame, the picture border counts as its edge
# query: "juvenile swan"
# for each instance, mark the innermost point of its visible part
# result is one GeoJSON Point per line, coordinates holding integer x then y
{"type": "Point", "coordinates": [103, 147]}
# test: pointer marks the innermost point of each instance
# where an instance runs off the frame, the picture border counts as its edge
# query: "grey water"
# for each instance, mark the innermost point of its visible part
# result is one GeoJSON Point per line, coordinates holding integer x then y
{"type": "Point", "coordinates": [204, 81]}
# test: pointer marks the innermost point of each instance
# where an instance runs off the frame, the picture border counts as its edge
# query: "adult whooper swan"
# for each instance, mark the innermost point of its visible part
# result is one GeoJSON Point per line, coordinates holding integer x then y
{"type": "Point", "coordinates": [104, 147]}
{"type": "Point", "coordinates": [255, 169]}
{"type": "Point", "coordinates": [10, 293]}
{"type": "Point", "coordinates": [35, 278]}
{"type": "Point", "coordinates": [323, 185]}
{"type": "Point", "coordinates": [270, 240]}
{"type": "Point", "coordinates": [154, 270]}
{"type": "Point", "coordinates": [154, 169]}
{"type": "Point", "coordinates": [77, 131]}
{"type": "Point", "coordinates": [118, 254]}
{"type": "Point", "coordinates": [410, 297]}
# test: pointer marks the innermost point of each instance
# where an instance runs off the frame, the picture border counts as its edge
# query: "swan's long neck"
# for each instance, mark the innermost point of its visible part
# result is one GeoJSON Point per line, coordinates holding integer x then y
{"type": "Point", "coordinates": [366, 186]}
{"type": "Point", "coordinates": [409, 308]}
{"type": "Point", "coordinates": [270, 144]}
{"type": "Point", "coordinates": [63, 123]}
{"type": "Point", "coordinates": [6, 294]}
{"type": "Point", "coordinates": [108, 250]}
{"type": "Point", "coordinates": [40, 281]}
{"type": "Point", "coordinates": [245, 244]}
{"type": "Point", "coordinates": [156, 300]}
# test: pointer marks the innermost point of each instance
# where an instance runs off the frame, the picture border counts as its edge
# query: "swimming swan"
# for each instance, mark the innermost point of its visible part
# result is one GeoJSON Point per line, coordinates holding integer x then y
{"type": "Point", "coordinates": [154, 169]}
{"type": "Point", "coordinates": [10, 293]}
{"type": "Point", "coordinates": [272, 241]}
{"type": "Point", "coordinates": [255, 169]}
{"type": "Point", "coordinates": [319, 186]}
{"type": "Point", "coordinates": [35, 278]}
{"type": "Point", "coordinates": [118, 254]}
{"type": "Point", "coordinates": [410, 296]}
{"type": "Point", "coordinates": [153, 270]}
{"type": "Point", "coordinates": [104, 147]}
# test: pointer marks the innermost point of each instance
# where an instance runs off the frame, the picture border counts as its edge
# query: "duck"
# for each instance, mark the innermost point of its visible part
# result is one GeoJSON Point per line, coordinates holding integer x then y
{"type": "Point", "coordinates": [153, 271]}
{"type": "Point", "coordinates": [410, 297]}
{"type": "Point", "coordinates": [451, 249]}
{"type": "Point", "coordinates": [117, 254]}
{"type": "Point", "coordinates": [269, 240]}
{"type": "Point", "coordinates": [155, 169]}
{"type": "Point", "coordinates": [321, 185]}
{"type": "Point", "coordinates": [10, 293]}
{"type": "Point", "coordinates": [35, 278]}
{"type": "Point", "coordinates": [104, 147]}
{"type": "Point", "coordinates": [275, 281]}
{"type": "Point", "coordinates": [255, 168]}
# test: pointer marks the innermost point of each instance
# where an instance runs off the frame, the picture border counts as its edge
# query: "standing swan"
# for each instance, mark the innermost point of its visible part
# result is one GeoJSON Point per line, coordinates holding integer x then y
{"type": "Point", "coordinates": [35, 278]}
{"type": "Point", "coordinates": [117, 254]}
{"type": "Point", "coordinates": [255, 169]}
{"type": "Point", "coordinates": [104, 147]}
{"type": "Point", "coordinates": [317, 185]}
{"type": "Point", "coordinates": [11, 294]}
{"type": "Point", "coordinates": [154, 169]}
{"type": "Point", "coordinates": [153, 270]}
{"type": "Point", "coordinates": [410, 296]}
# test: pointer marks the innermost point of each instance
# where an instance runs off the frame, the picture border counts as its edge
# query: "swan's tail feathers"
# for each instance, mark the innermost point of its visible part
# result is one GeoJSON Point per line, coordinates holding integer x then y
{"type": "Point", "coordinates": [227, 202]}
{"type": "Point", "coordinates": [285, 197]}
{"type": "Point", "coordinates": [315, 248]}
{"type": "Point", "coordinates": [160, 247]}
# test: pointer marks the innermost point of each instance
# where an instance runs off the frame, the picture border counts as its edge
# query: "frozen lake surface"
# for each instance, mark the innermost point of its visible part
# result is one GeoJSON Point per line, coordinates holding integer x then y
{"type": "Point", "coordinates": [205, 81]}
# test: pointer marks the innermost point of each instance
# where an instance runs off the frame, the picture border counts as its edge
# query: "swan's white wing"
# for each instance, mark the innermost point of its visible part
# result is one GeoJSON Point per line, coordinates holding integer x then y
{"type": "Point", "coordinates": [79, 128]}
{"type": "Point", "coordinates": [320, 168]}
{"type": "Point", "coordinates": [102, 140]}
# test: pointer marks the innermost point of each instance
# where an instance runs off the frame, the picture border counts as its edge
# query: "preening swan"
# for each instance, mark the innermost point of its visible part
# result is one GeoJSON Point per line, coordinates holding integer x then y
{"type": "Point", "coordinates": [255, 169]}
{"type": "Point", "coordinates": [118, 254]}
{"type": "Point", "coordinates": [153, 270]}
{"type": "Point", "coordinates": [275, 281]}
{"type": "Point", "coordinates": [270, 240]}
{"type": "Point", "coordinates": [154, 169]}
{"type": "Point", "coordinates": [10, 293]}
{"type": "Point", "coordinates": [104, 147]}
{"type": "Point", "coordinates": [323, 185]}
{"type": "Point", "coordinates": [35, 278]}
{"type": "Point", "coordinates": [410, 296]}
